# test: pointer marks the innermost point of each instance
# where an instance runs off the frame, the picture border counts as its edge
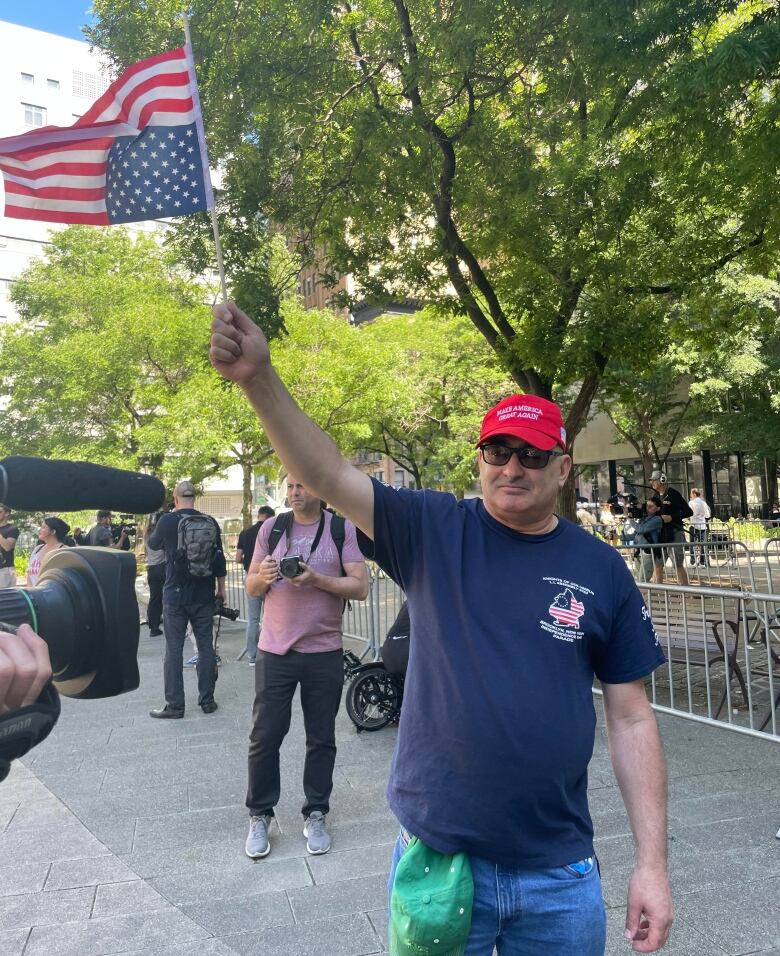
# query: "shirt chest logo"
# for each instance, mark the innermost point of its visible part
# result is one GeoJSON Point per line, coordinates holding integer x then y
{"type": "Point", "coordinates": [568, 604]}
{"type": "Point", "coordinates": [567, 610]}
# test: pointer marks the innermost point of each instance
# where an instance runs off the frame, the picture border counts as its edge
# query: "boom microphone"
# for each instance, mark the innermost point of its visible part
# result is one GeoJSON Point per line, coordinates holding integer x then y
{"type": "Point", "coordinates": [38, 484]}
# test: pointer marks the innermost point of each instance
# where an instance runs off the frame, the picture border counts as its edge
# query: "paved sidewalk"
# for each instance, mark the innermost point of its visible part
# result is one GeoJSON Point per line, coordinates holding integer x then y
{"type": "Point", "coordinates": [121, 834]}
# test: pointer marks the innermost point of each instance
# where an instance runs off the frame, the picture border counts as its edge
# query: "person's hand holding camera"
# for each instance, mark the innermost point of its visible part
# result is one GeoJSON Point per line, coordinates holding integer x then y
{"type": "Point", "coordinates": [305, 576]}
{"type": "Point", "coordinates": [261, 576]}
{"type": "Point", "coordinates": [24, 668]}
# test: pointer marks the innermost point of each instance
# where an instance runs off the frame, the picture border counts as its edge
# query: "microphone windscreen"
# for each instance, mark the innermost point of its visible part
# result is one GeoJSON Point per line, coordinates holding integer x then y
{"type": "Point", "coordinates": [38, 484]}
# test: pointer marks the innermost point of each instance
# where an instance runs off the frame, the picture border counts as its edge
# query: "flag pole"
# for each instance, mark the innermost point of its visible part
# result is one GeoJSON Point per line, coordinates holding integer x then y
{"type": "Point", "coordinates": [207, 168]}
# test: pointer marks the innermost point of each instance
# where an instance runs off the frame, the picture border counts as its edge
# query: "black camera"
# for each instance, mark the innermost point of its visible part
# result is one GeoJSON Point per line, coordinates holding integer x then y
{"type": "Point", "coordinates": [222, 610]}
{"type": "Point", "coordinates": [127, 524]}
{"type": "Point", "coordinates": [290, 567]}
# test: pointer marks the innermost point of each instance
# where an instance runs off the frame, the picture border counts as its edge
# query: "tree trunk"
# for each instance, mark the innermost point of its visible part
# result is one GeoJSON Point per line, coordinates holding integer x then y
{"type": "Point", "coordinates": [567, 503]}
{"type": "Point", "coordinates": [770, 478]}
{"type": "Point", "coordinates": [246, 504]}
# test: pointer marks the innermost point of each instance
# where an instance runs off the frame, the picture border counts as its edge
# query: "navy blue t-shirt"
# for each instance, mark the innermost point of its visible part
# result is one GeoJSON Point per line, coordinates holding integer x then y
{"type": "Point", "coordinates": [508, 630]}
{"type": "Point", "coordinates": [180, 586]}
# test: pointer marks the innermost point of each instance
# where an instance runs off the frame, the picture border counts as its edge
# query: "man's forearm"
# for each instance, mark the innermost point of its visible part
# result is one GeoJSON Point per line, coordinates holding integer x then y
{"type": "Point", "coordinates": [640, 768]}
{"type": "Point", "coordinates": [256, 586]}
{"type": "Point", "coordinates": [7, 544]}
{"type": "Point", "coordinates": [305, 450]}
{"type": "Point", "coordinates": [349, 588]}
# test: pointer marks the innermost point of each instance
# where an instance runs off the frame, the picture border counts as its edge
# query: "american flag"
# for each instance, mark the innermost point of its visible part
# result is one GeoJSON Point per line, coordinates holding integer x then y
{"type": "Point", "coordinates": [138, 153]}
{"type": "Point", "coordinates": [567, 610]}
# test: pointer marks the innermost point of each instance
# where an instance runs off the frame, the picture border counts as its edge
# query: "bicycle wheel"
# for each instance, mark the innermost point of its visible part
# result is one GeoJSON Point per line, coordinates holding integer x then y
{"type": "Point", "coordinates": [373, 699]}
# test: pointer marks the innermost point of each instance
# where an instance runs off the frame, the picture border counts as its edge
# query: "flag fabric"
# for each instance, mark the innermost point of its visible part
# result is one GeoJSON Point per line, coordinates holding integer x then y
{"type": "Point", "coordinates": [138, 153]}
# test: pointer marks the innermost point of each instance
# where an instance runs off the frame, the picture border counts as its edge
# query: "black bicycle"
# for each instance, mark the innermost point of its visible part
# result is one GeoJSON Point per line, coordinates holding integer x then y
{"type": "Point", "coordinates": [375, 690]}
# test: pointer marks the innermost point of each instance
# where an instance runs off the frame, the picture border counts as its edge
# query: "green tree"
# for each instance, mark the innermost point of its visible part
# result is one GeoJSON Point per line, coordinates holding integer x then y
{"type": "Point", "coordinates": [543, 168]}
{"type": "Point", "coordinates": [442, 378]}
{"type": "Point", "coordinates": [736, 389]}
{"type": "Point", "coordinates": [110, 330]}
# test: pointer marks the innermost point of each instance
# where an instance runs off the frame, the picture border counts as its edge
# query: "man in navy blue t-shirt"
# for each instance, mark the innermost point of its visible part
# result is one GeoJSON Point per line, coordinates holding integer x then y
{"type": "Point", "coordinates": [513, 613]}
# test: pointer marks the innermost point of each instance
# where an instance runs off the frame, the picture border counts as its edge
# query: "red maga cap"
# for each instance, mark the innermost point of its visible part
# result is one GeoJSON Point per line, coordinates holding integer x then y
{"type": "Point", "coordinates": [529, 417]}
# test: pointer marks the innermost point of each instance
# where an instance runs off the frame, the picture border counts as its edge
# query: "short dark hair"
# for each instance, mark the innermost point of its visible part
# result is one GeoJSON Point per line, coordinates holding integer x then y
{"type": "Point", "coordinates": [266, 510]}
{"type": "Point", "coordinates": [104, 514]}
{"type": "Point", "coordinates": [4, 507]}
{"type": "Point", "coordinates": [656, 499]}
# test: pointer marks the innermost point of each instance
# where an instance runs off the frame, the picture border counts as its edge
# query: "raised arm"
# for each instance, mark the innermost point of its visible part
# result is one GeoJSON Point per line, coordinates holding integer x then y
{"type": "Point", "coordinates": [240, 353]}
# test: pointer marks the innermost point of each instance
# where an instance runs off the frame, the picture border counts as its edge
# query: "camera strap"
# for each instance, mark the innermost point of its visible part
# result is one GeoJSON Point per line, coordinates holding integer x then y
{"type": "Point", "coordinates": [23, 729]}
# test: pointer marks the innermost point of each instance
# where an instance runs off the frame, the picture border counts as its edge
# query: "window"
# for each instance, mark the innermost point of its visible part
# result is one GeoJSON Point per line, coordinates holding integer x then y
{"type": "Point", "coordinates": [398, 478]}
{"type": "Point", "coordinates": [89, 85]}
{"type": "Point", "coordinates": [28, 78]}
{"type": "Point", "coordinates": [379, 475]}
{"type": "Point", "coordinates": [53, 84]}
{"type": "Point", "coordinates": [34, 115]}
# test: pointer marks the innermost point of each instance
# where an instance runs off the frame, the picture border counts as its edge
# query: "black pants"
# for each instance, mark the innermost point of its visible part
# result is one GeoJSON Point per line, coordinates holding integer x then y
{"type": "Point", "coordinates": [201, 616]}
{"type": "Point", "coordinates": [155, 578]}
{"type": "Point", "coordinates": [321, 677]}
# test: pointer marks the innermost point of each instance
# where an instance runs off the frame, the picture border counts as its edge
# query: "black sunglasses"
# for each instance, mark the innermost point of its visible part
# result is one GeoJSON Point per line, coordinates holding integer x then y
{"type": "Point", "coordinates": [529, 457]}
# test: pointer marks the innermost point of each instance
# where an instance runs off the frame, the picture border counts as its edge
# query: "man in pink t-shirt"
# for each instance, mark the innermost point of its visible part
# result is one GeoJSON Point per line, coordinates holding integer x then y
{"type": "Point", "coordinates": [300, 643]}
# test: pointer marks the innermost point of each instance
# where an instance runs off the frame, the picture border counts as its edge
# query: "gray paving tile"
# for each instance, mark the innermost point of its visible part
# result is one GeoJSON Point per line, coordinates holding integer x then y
{"type": "Point", "coordinates": [115, 834]}
{"type": "Point", "coordinates": [207, 795]}
{"type": "Point", "coordinates": [105, 936]}
{"type": "Point", "coordinates": [126, 899]}
{"type": "Point", "coordinates": [22, 878]}
{"type": "Point", "coordinates": [74, 784]}
{"type": "Point", "coordinates": [343, 936]}
{"type": "Point", "coordinates": [726, 781]}
{"type": "Point", "coordinates": [379, 920]}
{"type": "Point", "coordinates": [49, 843]}
{"type": "Point", "coordinates": [89, 872]}
{"type": "Point", "coordinates": [745, 924]}
{"type": "Point", "coordinates": [14, 942]}
{"type": "Point", "coordinates": [338, 899]}
{"type": "Point", "coordinates": [195, 826]}
{"type": "Point", "coordinates": [36, 909]}
{"type": "Point", "coordinates": [724, 806]}
{"type": "Point", "coordinates": [351, 864]}
{"type": "Point", "coordinates": [250, 879]}
{"type": "Point", "coordinates": [202, 947]}
{"type": "Point", "coordinates": [149, 802]}
{"type": "Point", "coordinates": [242, 915]}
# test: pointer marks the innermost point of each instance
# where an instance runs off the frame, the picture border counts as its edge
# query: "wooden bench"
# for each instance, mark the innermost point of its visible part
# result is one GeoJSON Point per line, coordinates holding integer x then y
{"type": "Point", "coordinates": [700, 631]}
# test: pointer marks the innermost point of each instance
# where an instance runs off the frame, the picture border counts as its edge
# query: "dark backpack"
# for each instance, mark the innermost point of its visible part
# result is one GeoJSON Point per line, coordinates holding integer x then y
{"type": "Point", "coordinates": [197, 544]}
{"type": "Point", "coordinates": [284, 521]}
{"type": "Point", "coordinates": [395, 647]}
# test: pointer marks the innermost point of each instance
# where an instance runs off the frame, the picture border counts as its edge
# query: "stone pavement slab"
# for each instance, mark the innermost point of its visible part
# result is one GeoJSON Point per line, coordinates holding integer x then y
{"type": "Point", "coordinates": [121, 834]}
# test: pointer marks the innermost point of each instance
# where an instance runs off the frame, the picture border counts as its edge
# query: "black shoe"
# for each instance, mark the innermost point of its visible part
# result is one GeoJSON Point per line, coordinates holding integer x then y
{"type": "Point", "coordinates": [209, 706]}
{"type": "Point", "coordinates": [165, 713]}
{"type": "Point", "coordinates": [155, 632]}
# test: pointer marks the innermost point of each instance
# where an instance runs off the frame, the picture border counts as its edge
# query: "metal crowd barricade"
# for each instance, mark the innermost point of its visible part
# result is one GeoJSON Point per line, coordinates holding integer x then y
{"type": "Point", "coordinates": [368, 621]}
{"type": "Point", "coordinates": [723, 656]}
{"type": "Point", "coordinates": [726, 563]}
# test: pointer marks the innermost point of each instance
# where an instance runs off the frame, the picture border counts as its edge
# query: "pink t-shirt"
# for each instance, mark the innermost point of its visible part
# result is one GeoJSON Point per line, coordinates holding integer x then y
{"type": "Point", "coordinates": [304, 619]}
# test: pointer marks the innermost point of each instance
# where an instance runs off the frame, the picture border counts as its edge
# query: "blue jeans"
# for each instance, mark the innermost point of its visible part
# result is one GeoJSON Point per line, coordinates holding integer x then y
{"type": "Point", "coordinates": [550, 912]}
{"type": "Point", "coordinates": [254, 606]}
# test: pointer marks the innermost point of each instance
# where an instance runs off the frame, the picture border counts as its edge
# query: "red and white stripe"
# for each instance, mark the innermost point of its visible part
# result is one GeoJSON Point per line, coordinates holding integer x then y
{"type": "Point", "coordinates": [569, 616]}
{"type": "Point", "coordinates": [58, 174]}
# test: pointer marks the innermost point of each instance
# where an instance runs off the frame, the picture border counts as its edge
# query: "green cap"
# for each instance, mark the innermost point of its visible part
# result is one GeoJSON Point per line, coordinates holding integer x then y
{"type": "Point", "coordinates": [430, 906]}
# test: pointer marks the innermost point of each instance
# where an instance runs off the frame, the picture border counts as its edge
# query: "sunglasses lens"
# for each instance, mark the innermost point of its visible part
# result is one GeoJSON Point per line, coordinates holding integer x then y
{"type": "Point", "coordinates": [531, 458]}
